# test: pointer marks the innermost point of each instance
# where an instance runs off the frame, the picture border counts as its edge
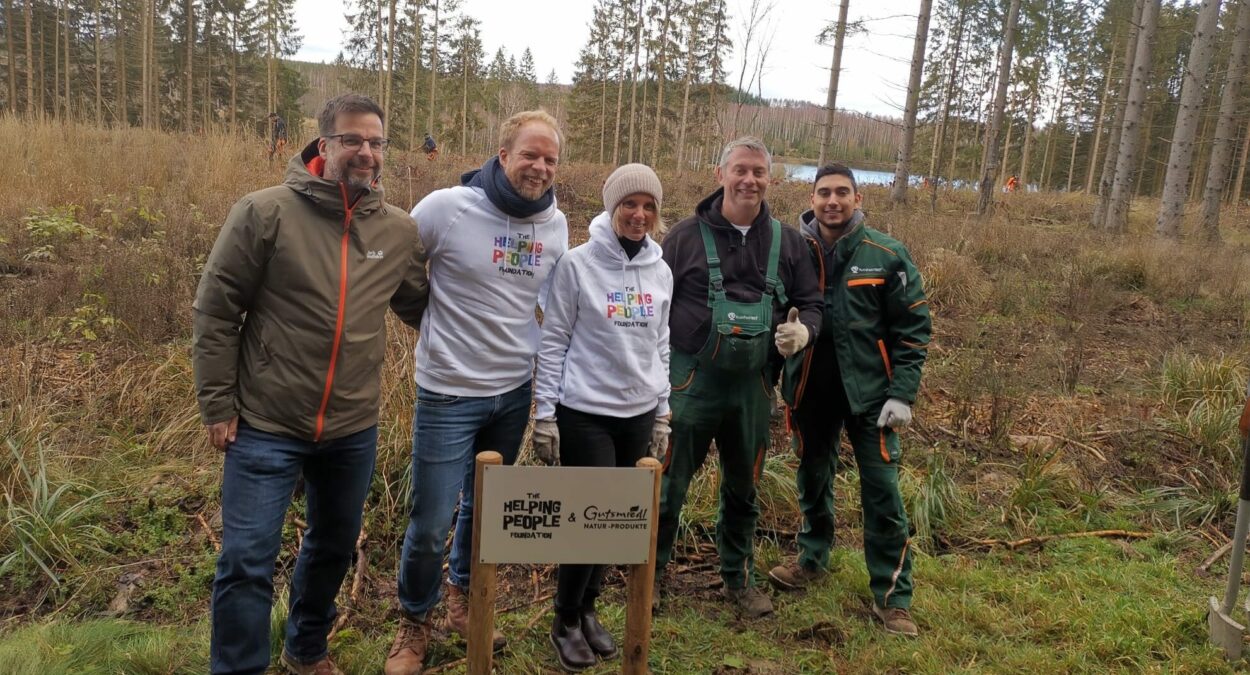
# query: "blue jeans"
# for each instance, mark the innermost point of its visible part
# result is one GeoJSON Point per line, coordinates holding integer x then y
{"type": "Point", "coordinates": [447, 434]}
{"type": "Point", "coordinates": [259, 476]}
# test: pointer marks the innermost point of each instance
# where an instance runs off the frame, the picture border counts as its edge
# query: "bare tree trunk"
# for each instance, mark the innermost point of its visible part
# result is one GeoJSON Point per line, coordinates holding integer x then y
{"type": "Point", "coordinates": [1107, 178]}
{"type": "Point", "coordinates": [123, 101]}
{"type": "Point", "coordinates": [633, 87]}
{"type": "Point", "coordinates": [1130, 132]}
{"type": "Point", "coordinates": [902, 171]}
{"type": "Point", "coordinates": [620, 97]}
{"type": "Point", "coordinates": [416, 62]}
{"type": "Point", "coordinates": [1026, 150]}
{"type": "Point", "coordinates": [1047, 155]}
{"type": "Point", "coordinates": [433, 67]}
{"type": "Point", "coordinates": [207, 101]}
{"type": "Point", "coordinates": [661, 77]}
{"type": "Point", "coordinates": [143, 57]}
{"type": "Point", "coordinates": [831, 97]}
{"type": "Point", "coordinates": [1102, 111]}
{"type": "Point", "coordinates": [685, 101]}
{"type": "Point", "coordinates": [939, 137]}
{"type": "Point", "coordinates": [56, 61]}
{"type": "Point", "coordinates": [464, 100]}
{"type": "Point", "coordinates": [30, 64]}
{"type": "Point", "coordinates": [1226, 128]}
{"type": "Point", "coordinates": [8, 41]}
{"type": "Point", "coordinates": [189, 10]}
{"type": "Point", "coordinates": [99, 91]}
{"type": "Point", "coordinates": [380, 38]}
{"type": "Point", "coordinates": [1180, 158]}
{"type": "Point", "coordinates": [69, 110]}
{"type": "Point", "coordinates": [986, 194]}
{"type": "Point", "coordinates": [1076, 126]}
{"type": "Point", "coordinates": [1235, 197]}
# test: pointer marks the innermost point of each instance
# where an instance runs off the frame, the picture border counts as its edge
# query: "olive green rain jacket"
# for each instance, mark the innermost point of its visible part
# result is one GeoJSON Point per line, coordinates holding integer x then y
{"type": "Point", "coordinates": [875, 314]}
{"type": "Point", "coordinates": [290, 314]}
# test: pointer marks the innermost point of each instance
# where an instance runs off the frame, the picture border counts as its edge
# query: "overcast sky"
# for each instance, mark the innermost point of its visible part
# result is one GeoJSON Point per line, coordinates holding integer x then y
{"type": "Point", "coordinates": [874, 63]}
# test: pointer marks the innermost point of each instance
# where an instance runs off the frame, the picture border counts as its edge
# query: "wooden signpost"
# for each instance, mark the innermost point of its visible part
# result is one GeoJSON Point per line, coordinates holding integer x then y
{"type": "Point", "coordinates": [563, 515]}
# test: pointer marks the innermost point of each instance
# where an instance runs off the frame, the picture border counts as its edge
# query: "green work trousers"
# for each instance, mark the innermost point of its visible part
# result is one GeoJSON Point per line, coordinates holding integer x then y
{"type": "Point", "coordinates": [817, 427]}
{"type": "Point", "coordinates": [733, 410]}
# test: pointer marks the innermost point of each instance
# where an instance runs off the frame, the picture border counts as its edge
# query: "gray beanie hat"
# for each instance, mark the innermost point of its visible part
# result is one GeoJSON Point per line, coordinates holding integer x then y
{"type": "Point", "coordinates": [629, 179]}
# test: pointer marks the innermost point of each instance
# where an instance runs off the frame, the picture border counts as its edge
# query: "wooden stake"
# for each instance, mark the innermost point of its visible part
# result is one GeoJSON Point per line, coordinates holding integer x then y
{"type": "Point", "coordinates": [639, 589]}
{"type": "Point", "coordinates": [481, 581]}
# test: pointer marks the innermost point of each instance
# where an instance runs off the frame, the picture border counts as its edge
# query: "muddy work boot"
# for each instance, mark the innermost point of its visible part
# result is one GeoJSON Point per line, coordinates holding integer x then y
{"type": "Point", "coordinates": [658, 590]}
{"type": "Point", "coordinates": [897, 620]}
{"type": "Point", "coordinates": [323, 667]}
{"type": "Point", "coordinates": [407, 654]}
{"type": "Point", "coordinates": [793, 577]}
{"type": "Point", "coordinates": [751, 603]}
{"type": "Point", "coordinates": [457, 618]}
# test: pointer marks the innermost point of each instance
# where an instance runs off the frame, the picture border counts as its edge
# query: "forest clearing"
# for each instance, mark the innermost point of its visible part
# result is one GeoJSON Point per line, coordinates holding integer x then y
{"type": "Point", "coordinates": [1071, 474]}
{"type": "Point", "coordinates": [1078, 382]}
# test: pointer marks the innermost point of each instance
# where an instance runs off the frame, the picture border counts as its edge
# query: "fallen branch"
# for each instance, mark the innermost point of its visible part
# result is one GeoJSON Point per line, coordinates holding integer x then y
{"type": "Point", "coordinates": [527, 603]}
{"type": "Point", "coordinates": [542, 611]}
{"type": "Point", "coordinates": [1219, 553]}
{"type": "Point", "coordinates": [1028, 541]}
{"type": "Point", "coordinates": [362, 564]}
{"type": "Point", "coordinates": [446, 666]}
{"type": "Point", "coordinates": [208, 531]}
{"type": "Point", "coordinates": [1089, 448]}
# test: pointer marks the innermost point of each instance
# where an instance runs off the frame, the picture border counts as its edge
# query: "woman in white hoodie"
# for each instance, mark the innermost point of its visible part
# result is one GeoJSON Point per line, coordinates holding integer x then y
{"type": "Point", "coordinates": [602, 388]}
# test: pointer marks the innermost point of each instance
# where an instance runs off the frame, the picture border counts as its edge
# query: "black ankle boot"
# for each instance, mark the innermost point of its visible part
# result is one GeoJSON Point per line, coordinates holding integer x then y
{"type": "Point", "coordinates": [598, 637]}
{"type": "Point", "coordinates": [571, 648]}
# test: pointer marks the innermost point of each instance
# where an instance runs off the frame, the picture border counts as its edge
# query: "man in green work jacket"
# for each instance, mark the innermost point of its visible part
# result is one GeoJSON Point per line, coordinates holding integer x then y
{"type": "Point", "coordinates": [744, 292]}
{"type": "Point", "coordinates": [862, 374]}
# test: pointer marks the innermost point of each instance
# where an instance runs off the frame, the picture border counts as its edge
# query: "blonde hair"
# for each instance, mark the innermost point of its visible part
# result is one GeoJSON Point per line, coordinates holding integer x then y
{"type": "Point", "coordinates": [661, 227]}
{"type": "Point", "coordinates": [511, 127]}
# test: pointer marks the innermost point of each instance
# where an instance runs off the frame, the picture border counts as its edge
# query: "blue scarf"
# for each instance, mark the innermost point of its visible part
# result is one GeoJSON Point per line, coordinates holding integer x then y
{"type": "Point", "coordinates": [499, 191]}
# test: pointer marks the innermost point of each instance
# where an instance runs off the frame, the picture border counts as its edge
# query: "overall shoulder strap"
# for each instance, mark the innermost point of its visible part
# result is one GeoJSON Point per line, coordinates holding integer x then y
{"type": "Point", "coordinates": [716, 281]}
{"type": "Point", "coordinates": [772, 282]}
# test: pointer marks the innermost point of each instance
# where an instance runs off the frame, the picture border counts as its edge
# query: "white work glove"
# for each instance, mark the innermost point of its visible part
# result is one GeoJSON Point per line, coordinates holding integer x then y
{"type": "Point", "coordinates": [791, 336]}
{"type": "Point", "coordinates": [546, 440]}
{"type": "Point", "coordinates": [896, 414]}
{"type": "Point", "coordinates": [659, 438]}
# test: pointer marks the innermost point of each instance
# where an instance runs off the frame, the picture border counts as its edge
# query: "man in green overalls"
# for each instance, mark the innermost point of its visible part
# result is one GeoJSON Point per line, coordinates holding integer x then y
{"type": "Point", "coordinates": [736, 272]}
{"type": "Point", "coordinates": [862, 375]}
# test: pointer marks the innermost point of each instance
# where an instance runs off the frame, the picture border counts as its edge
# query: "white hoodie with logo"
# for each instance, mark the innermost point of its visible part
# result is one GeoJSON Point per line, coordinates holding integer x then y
{"type": "Point", "coordinates": [487, 272]}
{"type": "Point", "coordinates": [605, 330]}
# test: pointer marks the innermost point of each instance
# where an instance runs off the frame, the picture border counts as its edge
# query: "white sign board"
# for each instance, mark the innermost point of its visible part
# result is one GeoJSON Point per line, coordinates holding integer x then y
{"type": "Point", "coordinates": [579, 515]}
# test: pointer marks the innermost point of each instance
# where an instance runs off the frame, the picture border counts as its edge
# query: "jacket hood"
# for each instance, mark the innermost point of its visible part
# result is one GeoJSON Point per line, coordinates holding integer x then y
{"type": "Point", "coordinates": [303, 175]}
{"type": "Point", "coordinates": [709, 211]}
{"type": "Point", "coordinates": [604, 241]}
{"type": "Point", "coordinates": [809, 226]}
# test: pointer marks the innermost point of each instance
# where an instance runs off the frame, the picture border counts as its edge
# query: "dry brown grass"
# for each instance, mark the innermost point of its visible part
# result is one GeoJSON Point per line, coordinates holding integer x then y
{"type": "Point", "coordinates": [1041, 326]}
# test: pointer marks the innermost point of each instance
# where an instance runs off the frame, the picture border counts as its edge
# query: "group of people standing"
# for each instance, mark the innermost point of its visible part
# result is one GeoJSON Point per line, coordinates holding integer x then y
{"type": "Point", "coordinates": [643, 350]}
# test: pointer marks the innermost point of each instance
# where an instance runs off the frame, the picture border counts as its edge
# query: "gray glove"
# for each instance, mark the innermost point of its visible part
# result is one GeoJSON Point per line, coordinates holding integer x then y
{"type": "Point", "coordinates": [546, 440]}
{"type": "Point", "coordinates": [896, 414]}
{"type": "Point", "coordinates": [659, 438]}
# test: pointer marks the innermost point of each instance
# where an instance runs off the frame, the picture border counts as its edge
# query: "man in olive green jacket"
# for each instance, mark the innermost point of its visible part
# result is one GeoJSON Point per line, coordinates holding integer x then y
{"type": "Point", "coordinates": [289, 339]}
{"type": "Point", "coordinates": [863, 374]}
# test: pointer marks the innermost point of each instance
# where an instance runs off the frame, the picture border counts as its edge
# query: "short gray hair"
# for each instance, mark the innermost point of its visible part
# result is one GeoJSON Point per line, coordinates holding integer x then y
{"type": "Point", "coordinates": [748, 142]}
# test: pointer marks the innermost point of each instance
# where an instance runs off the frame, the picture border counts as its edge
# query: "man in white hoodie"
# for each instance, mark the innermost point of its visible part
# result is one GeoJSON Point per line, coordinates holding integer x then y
{"type": "Point", "coordinates": [492, 243]}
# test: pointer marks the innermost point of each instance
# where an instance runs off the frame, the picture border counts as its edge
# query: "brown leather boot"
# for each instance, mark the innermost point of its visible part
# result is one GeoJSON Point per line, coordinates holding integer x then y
{"type": "Point", "coordinates": [457, 618]}
{"type": "Point", "coordinates": [572, 650]}
{"type": "Point", "coordinates": [598, 637]}
{"type": "Point", "coordinates": [407, 654]}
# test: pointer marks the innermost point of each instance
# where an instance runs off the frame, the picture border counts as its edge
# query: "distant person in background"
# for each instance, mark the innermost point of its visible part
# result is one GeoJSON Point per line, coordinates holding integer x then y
{"type": "Point", "coordinates": [601, 393]}
{"type": "Point", "coordinates": [862, 375]}
{"type": "Point", "coordinates": [289, 336]}
{"type": "Point", "coordinates": [1013, 183]}
{"type": "Point", "coordinates": [277, 135]}
{"type": "Point", "coordinates": [430, 147]}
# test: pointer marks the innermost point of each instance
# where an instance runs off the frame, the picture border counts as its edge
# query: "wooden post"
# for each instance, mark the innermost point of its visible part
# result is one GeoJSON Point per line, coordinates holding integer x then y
{"type": "Point", "coordinates": [640, 584]}
{"type": "Point", "coordinates": [482, 580]}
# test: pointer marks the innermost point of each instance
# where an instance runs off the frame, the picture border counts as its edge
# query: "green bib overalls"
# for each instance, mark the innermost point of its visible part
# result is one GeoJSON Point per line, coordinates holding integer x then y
{"type": "Point", "coordinates": [723, 393]}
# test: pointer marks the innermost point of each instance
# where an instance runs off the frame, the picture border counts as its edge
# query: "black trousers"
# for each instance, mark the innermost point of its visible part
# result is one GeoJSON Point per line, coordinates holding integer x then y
{"type": "Point", "coordinates": [595, 440]}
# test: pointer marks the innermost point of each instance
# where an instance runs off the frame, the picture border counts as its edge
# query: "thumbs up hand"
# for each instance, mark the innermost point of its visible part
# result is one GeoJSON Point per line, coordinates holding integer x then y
{"type": "Point", "coordinates": [791, 336]}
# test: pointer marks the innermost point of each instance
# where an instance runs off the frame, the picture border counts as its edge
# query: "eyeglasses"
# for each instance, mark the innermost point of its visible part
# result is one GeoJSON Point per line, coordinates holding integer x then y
{"type": "Point", "coordinates": [353, 142]}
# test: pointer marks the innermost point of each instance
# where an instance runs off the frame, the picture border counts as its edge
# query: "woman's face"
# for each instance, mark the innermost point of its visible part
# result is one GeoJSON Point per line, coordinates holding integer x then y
{"type": "Point", "coordinates": [636, 216]}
